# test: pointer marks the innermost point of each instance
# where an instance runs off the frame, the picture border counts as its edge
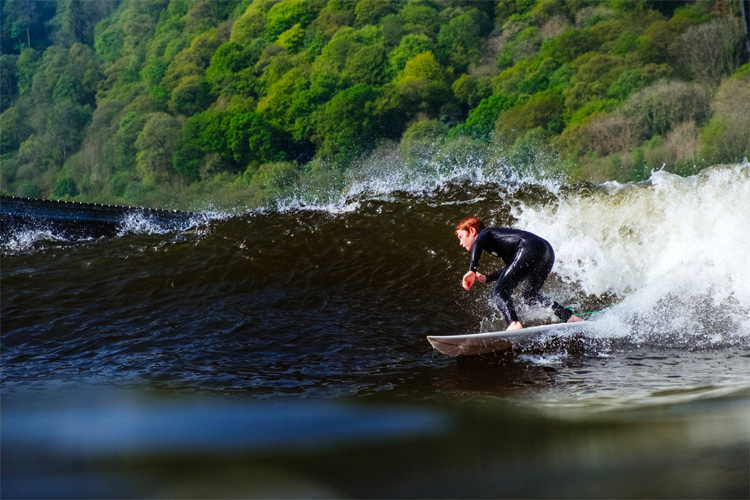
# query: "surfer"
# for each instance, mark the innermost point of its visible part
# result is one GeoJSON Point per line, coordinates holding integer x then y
{"type": "Point", "coordinates": [528, 260]}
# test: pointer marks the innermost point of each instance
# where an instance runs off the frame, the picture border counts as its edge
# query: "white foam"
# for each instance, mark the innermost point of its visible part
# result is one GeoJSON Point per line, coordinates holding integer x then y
{"type": "Point", "coordinates": [675, 247]}
{"type": "Point", "coordinates": [144, 223]}
{"type": "Point", "coordinates": [28, 240]}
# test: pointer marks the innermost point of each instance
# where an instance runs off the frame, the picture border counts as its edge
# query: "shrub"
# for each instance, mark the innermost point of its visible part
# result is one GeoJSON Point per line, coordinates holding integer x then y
{"type": "Point", "coordinates": [635, 79]}
{"type": "Point", "coordinates": [612, 133]}
{"type": "Point", "coordinates": [522, 46]}
{"type": "Point", "coordinates": [596, 73]}
{"type": "Point", "coordinates": [29, 189]}
{"type": "Point", "coordinates": [572, 44]}
{"type": "Point", "coordinates": [677, 152]}
{"type": "Point", "coordinates": [275, 178]}
{"type": "Point", "coordinates": [481, 121]}
{"type": "Point", "coordinates": [65, 187]}
{"type": "Point", "coordinates": [508, 81]}
{"type": "Point", "coordinates": [544, 110]}
{"type": "Point", "coordinates": [420, 143]}
{"type": "Point", "coordinates": [710, 51]}
{"type": "Point", "coordinates": [726, 138]}
{"type": "Point", "coordinates": [663, 105]}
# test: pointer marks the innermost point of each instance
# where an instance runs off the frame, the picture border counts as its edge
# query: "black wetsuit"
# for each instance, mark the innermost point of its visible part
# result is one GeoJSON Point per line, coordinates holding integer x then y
{"type": "Point", "coordinates": [528, 259]}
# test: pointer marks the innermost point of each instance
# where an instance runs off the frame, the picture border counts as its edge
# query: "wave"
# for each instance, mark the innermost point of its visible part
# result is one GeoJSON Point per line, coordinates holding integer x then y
{"type": "Point", "coordinates": [667, 256]}
{"type": "Point", "coordinates": [656, 261]}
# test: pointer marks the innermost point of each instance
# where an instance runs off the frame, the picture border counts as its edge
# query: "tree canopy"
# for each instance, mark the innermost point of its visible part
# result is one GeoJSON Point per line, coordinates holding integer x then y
{"type": "Point", "coordinates": [118, 100]}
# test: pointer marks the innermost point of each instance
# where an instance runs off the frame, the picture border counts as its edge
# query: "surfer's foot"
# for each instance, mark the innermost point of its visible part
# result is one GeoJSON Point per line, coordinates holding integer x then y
{"type": "Point", "coordinates": [574, 319]}
{"type": "Point", "coordinates": [516, 325]}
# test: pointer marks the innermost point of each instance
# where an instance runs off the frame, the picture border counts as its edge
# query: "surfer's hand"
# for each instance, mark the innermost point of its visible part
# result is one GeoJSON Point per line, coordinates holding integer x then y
{"type": "Point", "coordinates": [481, 278]}
{"type": "Point", "coordinates": [468, 279]}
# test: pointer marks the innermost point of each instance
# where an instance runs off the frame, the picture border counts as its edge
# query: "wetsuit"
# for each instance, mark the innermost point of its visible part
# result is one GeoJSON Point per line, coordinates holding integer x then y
{"type": "Point", "coordinates": [528, 259]}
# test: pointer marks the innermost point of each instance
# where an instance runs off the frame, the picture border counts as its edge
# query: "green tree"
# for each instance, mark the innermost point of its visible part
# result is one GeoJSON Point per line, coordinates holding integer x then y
{"type": "Point", "coordinates": [471, 90]}
{"type": "Point", "coordinates": [26, 65]}
{"type": "Point", "coordinates": [423, 67]}
{"type": "Point", "coordinates": [410, 46]}
{"type": "Point", "coordinates": [64, 130]}
{"type": "Point", "coordinates": [65, 187]}
{"type": "Point", "coordinates": [422, 88]}
{"type": "Point", "coordinates": [275, 179]}
{"type": "Point", "coordinates": [8, 81]}
{"type": "Point", "coordinates": [287, 104]}
{"type": "Point", "coordinates": [74, 20]}
{"type": "Point", "coordinates": [293, 39]}
{"type": "Point", "coordinates": [481, 121]}
{"type": "Point", "coordinates": [633, 80]}
{"type": "Point", "coordinates": [14, 129]}
{"type": "Point", "coordinates": [231, 70]}
{"type": "Point", "coordinates": [252, 139]}
{"type": "Point", "coordinates": [155, 145]}
{"type": "Point", "coordinates": [459, 41]}
{"type": "Point", "coordinates": [571, 44]}
{"type": "Point", "coordinates": [25, 24]}
{"type": "Point", "coordinates": [342, 45]}
{"type": "Point", "coordinates": [249, 26]}
{"type": "Point", "coordinates": [525, 45]}
{"type": "Point", "coordinates": [726, 137]}
{"type": "Point", "coordinates": [596, 74]}
{"type": "Point", "coordinates": [654, 44]}
{"type": "Point", "coordinates": [347, 126]}
{"type": "Point", "coordinates": [420, 19]}
{"type": "Point", "coordinates": [544, 110]}
{"type": "Point", "coordinates": [285, 14]}
{"type": "Point", "coordinates": [333, 18]}
{"type": "Point", "coordinates": [368, 65]}
{"type": "Point", "coordinates": [371, 11]}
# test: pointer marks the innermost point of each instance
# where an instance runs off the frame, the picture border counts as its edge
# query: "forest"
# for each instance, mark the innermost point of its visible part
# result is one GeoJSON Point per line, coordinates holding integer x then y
{"type": "Point", "coordinates": [169, 103]}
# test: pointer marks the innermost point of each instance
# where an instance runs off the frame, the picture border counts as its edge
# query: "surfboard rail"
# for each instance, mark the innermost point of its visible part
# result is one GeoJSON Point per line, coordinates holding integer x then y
{"type": "Point", "coordinates": [483, 343]}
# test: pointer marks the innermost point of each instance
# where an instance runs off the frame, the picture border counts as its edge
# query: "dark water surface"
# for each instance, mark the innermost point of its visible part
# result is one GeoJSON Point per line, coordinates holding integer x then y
{"type": "Point", "coordinates": [282, 353]}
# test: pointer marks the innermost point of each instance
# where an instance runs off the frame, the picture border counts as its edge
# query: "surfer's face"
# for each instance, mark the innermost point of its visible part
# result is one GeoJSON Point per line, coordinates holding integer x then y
{"type": "Point", "coordinates": [466, 238]}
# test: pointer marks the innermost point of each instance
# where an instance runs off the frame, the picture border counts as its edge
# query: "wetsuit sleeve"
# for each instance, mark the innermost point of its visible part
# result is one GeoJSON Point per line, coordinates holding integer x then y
{"type": "Point", "coordinates": [476, 253]}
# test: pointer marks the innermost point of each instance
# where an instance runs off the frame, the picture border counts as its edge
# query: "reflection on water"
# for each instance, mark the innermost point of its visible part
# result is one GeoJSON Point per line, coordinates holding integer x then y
{"type": "Point", "coordinates": [84, 444]}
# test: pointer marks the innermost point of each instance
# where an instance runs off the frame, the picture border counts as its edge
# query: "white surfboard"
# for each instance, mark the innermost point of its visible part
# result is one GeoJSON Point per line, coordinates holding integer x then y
{"type": "Point", "coordinates": [482, 343]}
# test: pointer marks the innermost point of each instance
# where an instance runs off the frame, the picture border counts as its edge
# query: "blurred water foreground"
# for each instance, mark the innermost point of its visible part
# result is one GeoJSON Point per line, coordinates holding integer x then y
{"type": "Point", "coordinates": [115, 444]}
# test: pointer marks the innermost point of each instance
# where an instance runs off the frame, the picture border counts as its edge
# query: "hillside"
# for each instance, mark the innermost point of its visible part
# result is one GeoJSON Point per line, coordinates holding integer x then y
{"type": "Point", "coordinates": [164, 102]}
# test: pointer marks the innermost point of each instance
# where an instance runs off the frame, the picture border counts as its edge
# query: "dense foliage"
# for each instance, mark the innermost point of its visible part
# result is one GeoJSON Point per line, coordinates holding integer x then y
{"type": "Point", "coordinates": [152, 101]}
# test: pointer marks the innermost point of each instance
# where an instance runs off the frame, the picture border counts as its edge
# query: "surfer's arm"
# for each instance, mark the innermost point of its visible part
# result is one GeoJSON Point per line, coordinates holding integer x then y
{"type": "Point", "coordinates": [471, 277]}
{"type": "Point", "coordinates": [476, 253]}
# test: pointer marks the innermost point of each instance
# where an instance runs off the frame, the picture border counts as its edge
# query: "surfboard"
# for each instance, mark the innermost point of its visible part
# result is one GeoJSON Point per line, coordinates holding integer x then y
{"type": "Point", "coordinates": [482, 343]}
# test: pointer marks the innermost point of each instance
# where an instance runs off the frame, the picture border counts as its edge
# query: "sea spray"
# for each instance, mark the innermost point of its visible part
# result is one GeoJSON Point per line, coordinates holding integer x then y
{"type": "Point", "coordinates": [389, 171]}
{"type": "Point", "coordinates": [673, 249]}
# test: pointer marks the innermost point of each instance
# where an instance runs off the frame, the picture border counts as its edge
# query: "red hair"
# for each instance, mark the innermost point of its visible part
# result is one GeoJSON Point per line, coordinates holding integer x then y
{"type": "Point", "coordinates": [468, 223]}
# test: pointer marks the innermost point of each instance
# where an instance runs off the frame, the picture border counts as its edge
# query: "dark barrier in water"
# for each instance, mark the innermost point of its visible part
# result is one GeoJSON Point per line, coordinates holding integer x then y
{"type": "Point", "coordinates": [74, 220]}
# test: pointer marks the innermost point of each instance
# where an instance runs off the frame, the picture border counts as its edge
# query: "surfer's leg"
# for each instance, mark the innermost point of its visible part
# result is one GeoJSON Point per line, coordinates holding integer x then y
{"type": "Point", "coordinates": [532, 295]}
{"type": "Point", "coordinates": [513, 274]}
{"type": "Point", "coordinates": [540, 269]}
{"type": "Point", "coordinates": [538, 263]}
{"type": "Point", "coordinates": [501, 294]}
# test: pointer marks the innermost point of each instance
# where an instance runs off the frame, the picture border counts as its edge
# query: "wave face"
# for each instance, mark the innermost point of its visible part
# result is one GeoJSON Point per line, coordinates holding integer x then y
{"type": "Point", "coordinates": [332, 295]}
